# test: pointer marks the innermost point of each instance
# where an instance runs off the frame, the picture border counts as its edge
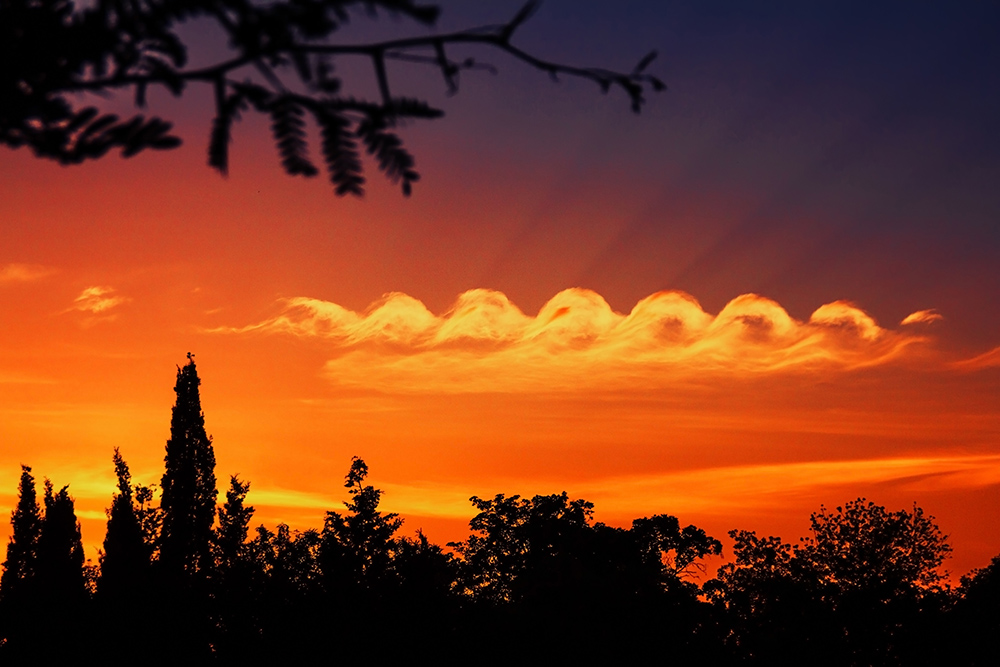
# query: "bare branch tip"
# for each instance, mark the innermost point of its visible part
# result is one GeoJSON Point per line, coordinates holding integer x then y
{"type": "Point", "coordinates": [526, 12]}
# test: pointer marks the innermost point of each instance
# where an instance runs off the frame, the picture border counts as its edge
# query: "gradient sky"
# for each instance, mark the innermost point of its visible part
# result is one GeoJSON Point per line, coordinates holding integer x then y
{"type": "Point", "coordinates": [775, 288]}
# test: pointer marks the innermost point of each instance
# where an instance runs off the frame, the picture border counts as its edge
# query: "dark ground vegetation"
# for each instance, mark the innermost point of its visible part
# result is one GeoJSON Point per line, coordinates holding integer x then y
{"type": "Point", "coordinates": [186, 581]}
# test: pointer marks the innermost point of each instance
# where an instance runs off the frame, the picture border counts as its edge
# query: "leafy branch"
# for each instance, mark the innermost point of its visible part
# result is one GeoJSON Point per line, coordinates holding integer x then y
{"type": "Point", "coordinates": [49, 52]}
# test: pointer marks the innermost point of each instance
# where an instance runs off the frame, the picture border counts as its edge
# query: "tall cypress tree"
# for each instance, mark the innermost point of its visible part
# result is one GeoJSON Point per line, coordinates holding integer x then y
{"type": "Point", "coordinates": [60, 551]}
{"type": "Point", "coordinates": [43, 589]}
{"type": "Point", "coordinates": [234, 525]}
{"type": "Point", "coordinates": [188, 484]}
{"type": "Point", "coordinates": [22, 550]}
{"type": "Point", "coordinates": [126, 556]}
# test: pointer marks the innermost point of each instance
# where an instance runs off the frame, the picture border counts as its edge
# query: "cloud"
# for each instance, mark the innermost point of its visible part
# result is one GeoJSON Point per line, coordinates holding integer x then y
{"type": "Point", "coordinates": [989, 359]}
{"type": "Point", "coordinates": [756, 487]}
{"type": "Point", "coordinates": [722, 491]}
{"type": "Point", "coordinates": [419, 498]}
{"type": "Point", "coordinates": [97, 300]}
{"type": "Point", "coordinates": [23, 273]}
{"type": "Point", "coordinates": [485, 343]}
{"type": "Point", "coordinates": [922, 317]}
{"type": "Point", "coordinates": [279, 497]}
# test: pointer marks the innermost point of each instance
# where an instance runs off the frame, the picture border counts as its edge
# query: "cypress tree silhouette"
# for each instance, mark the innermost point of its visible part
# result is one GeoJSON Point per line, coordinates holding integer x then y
{"type": "Point", "coordinates": [18, 584]}
{"type": "Point", "coordinates": [188, 484]}
{"type": "Point", "coordinates": [125, 578]}
{"type": "Point", "coordinates": [43, 585]}
{"type": "Point", "coordinates": [126, 557]}
{"type": "Point", "coordinates": [60, 551]}
{"type": "Point", "coordinates": [22, 550]}
{"type": "Point", "coordinates": [235, 590]}
{"type": "Point", "coordinates": [234, 524]}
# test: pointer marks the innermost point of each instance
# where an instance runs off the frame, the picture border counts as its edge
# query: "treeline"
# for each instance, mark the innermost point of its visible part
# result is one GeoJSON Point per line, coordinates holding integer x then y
{"type": "Point", "coordinates": [187, 581]}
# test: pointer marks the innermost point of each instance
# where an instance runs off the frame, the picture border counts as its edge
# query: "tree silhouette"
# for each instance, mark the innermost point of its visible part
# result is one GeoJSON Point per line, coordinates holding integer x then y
{"type": "Point", "coordinates": [768, 604]}
{"type": "Point", "coordinates": [230, 537]}
{"type": "Point", "coordinates": [125, 586]}
{"type": "Point", "coordinates": [545, 546]}
{"type": "Point", "coordinates": [19, 601]}
{"type": "Point", "coordinates": [280, 64]}
{"type": "Point", "coordinates": [60, 550]}
{"type": "Point", "coordinates": [20, 566]}
{"type": "Point", "coordinates": [62, 588]}
{"type": "Point", "coordinates": [237, 577]}
{"type": "Point", "coordinates": [976, 622]}
{"type": "Point", "coordinates": [493, 556]}
{"type": "Point", "coordinates": [43, 588]}
{"type": "Point", "coordinates": [864, 589]}
{"type": "Point", "coordinates": [126, 557]}
{"type": "Point", "coordinates": [288, 611]}
{"type": "Point", "coordinates": [188, 501]}
{"type": "Point", "coordinates": [357, 547]}
{"type": "Point", "coordinates": [289, 560]}
{"type": "Point", "coordinates": [538, 570]}
{"type": "Point", "coordinates": [880, 573]}
{"type": "Point", "coordinates": [425, 572]}
{"type": "Point", "coordinates": [864, 547]}
{"type": "Point", "coordinates": [673, 552]}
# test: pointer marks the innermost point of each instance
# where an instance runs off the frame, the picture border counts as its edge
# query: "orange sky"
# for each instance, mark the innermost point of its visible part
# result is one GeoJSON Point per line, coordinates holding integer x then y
{"type": "Point", "coordinates": [711, 310]}
{"type": "Point", "coordinates": [744, 418]}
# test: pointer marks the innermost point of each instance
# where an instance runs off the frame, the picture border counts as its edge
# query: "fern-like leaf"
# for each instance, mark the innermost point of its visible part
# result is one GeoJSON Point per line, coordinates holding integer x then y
{"type": "Point", "coordinates": [290, 136]}
{"type": "Point", "coordinates": [218, 144]}
{"type": "Point", "coordinates": [340, 152]}
{"type": "Point", "coordinates": [387, 148]}
{"type": "Point", "coordinates": [221, 135]}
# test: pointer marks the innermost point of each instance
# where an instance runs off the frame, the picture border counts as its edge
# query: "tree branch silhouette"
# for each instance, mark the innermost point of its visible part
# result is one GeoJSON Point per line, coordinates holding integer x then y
{"type": "Point", "coordinates": [50, 52]}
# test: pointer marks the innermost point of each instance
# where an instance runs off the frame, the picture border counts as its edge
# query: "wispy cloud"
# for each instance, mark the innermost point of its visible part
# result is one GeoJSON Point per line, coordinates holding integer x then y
{"type": "Point", "coordinates": [989, 359]}
{"type": "Point", "coordinates": [98, 300]}
{"type": "Point", "coordinates": [279, 497]}
{"type": "Point", "coordinates": [922, 317]}
{"type": "Point", "coordinates": [739, 489]}
{"type": "Point", "coordinates": [722, 491]}
{"type": "Point", "coordinates": [23, 273]}
{"type": "Point", "coordinates": [485, 343]}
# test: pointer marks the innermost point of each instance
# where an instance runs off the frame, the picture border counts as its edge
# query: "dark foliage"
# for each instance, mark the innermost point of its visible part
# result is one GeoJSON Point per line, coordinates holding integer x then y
{"type": "Point", "coordinates": [863, 590]}
{"type": "Point", "coordinates": [536, 569]}
{"type": "Point", "coordinates": [126, 587]}
{"type": "Point", "coordinates": [280, 63]}
{"type": "Point", "coordinates": [863, 547]}
{"type": "Point", "coordinates": [60, 549]}
{"type": "Point", "coordinates": [357, 549]}
{"type": "Point", "coordinates": [234, 525]}
{"type": "Point", "coordinates": [188, 501]}
{"type": "Point", "coordinates": [535, 581]}
{"type": "Point", "coordinates": [22, 551]}
{"type": "Point", "coordinates": [128, 550]}
{"type": "Point", "coordinates": [40, 608]}
{"type": "Point", "coordinates": [975, 621]}
{"type": "Point", "coordinates": [19, 584]}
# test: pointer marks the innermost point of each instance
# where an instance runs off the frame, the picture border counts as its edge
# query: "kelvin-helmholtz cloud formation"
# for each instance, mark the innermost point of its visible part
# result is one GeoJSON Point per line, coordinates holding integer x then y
{"type": "Point", "coordinates": [485, 343]}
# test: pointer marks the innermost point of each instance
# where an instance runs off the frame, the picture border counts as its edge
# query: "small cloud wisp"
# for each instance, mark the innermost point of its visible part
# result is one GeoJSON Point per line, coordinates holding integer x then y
{"type": "Point", "coordinates": [23, 273]}
{"type": "Point", "coordinates": [97, 300]}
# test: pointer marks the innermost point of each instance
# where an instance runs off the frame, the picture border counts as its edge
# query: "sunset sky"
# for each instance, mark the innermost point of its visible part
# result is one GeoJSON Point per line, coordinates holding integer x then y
{"type": "Point", "coordinates": [775, 288]}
